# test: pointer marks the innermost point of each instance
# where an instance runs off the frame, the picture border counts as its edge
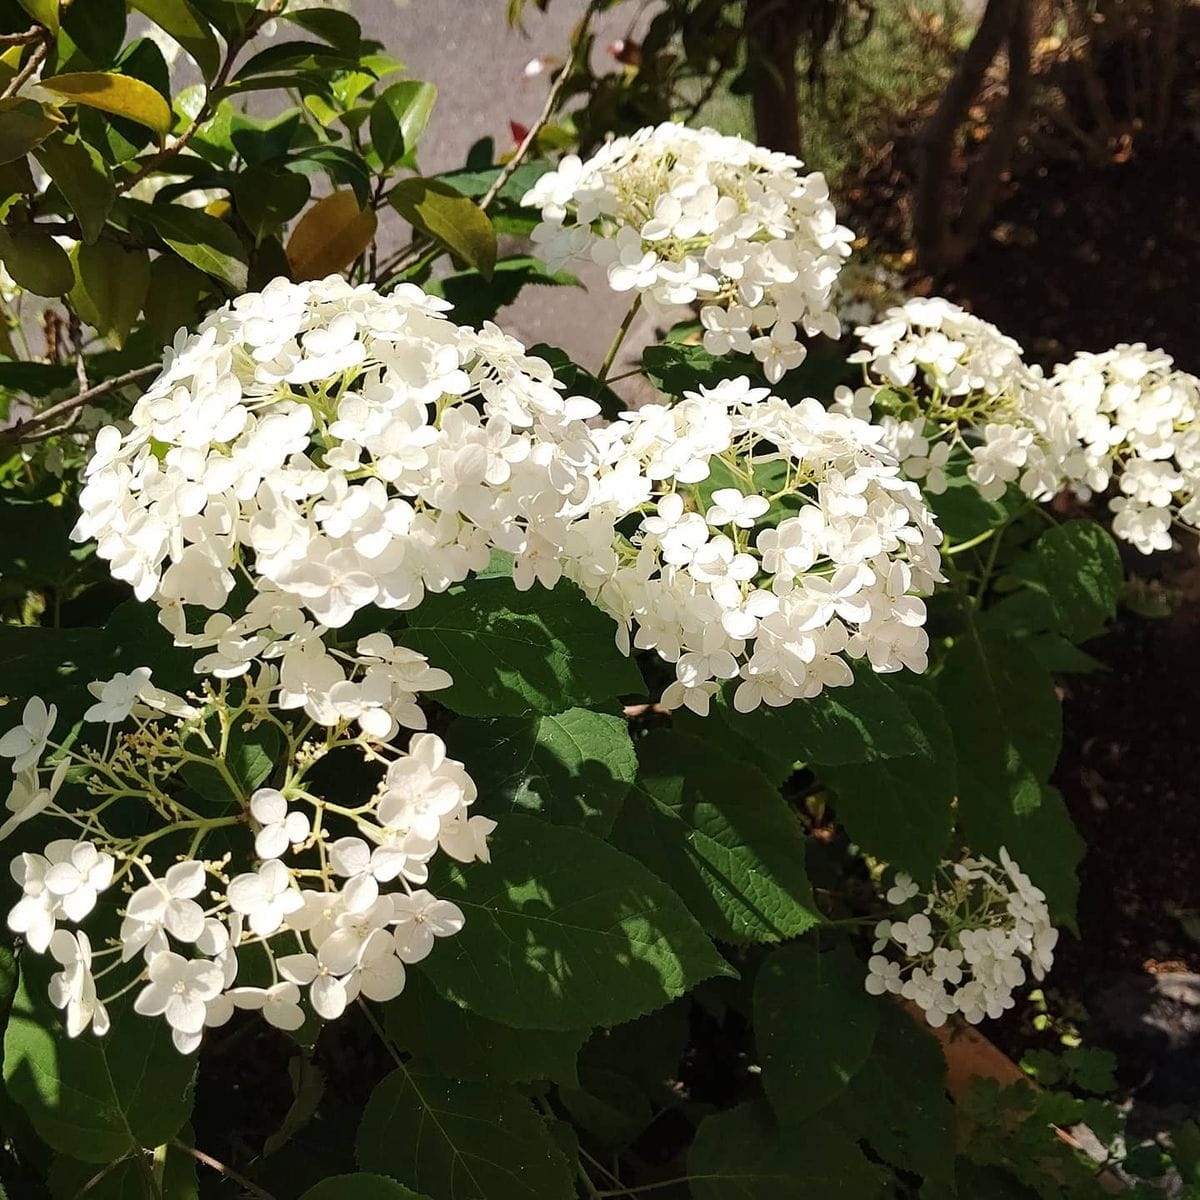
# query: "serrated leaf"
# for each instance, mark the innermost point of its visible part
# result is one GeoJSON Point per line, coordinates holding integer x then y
{"type": "Point", "coordinates": [564, 932]}
{"type": "Point", "coordinates": [461, 1141]}
{"type": "Point", "coordinates": [83, 178]}
{"type": "Point", "coordinates": [88, 1097]}
{"type": "Point", "coordinates": [330, 236]}
{"type": "Point", "coordinates": [112, 287]}
{"type": "Point", "coordinates": [398, 118]}
{"type": "Point", "coordinates": [448, 217]}
{"type": "Point", "coordinates": [460, 1044]}
{"type": "Point", "coordinates": [127, 1181]}
{"type": "Point", "coordinates": [677, 367]}
{"type": "Point", "coordinates": [36, 261]}
{"type": "Point", "coordinates": [512, 653]}
{"type": "Point", "coordinates": [1080, 569]}
{"type": "Point", "coordinates": [180, 20]}
{"type": "Point", "coordinates": [902, 809]}
{"type": "Point", "coordinates": [121, 95]}
{"type": "Point", "coordinates": [199, 239]}
{"type": "Point", "coordinates": [742, 1154]}
{"type": "Point", "coordinates": [23, 125]}
{"type": "Point", "coordinates": [573, 767]}
{"type": "Point", "coordinates": [360, 1186]}
{"type": "Point", "coordinates": [721, 835]}
{"type": "Point", "coordinates": [814, 1025]}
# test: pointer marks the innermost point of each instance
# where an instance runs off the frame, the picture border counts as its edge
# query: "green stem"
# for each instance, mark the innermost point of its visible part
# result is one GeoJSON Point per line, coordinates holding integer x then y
{"type": "Point", "coordinates": [611, 356]}
{"type": "Point", "coordinates": [647, 1187]}
{"type": "Point", "coordinates": [978, 540]}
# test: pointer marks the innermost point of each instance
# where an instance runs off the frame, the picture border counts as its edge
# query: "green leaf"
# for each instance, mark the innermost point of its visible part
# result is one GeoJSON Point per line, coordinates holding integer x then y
{"type": "Point", "coordinates": [308, 1088]}
{"type": "Point", "coordinates": [173, 300]}
{"type": "Point", "coordinates": [36, 261]}
{"type": "Point", "coordinates": [268, 198]}
{"type": "Point", "coordinates": [962, 513]}
{"type": "Point", "coordinates": [864, 722]}
{"type": "Point", "coordinates": [814, 1024]}
{"type": "Point", "coordinates": [45, 12]}
{"type": "Point", "coordinates": [23, 125]}
{"type": "Point", "coordinates": [448, 217]}
{"type": "Point", "coordinates": [34, 378]}
{"type": "Point", "coordinates": [80, 174]}
{"type": "Point", "coordinates": [512, 653]}
{"type": "Point", "coordinates": [330, 236]}
{"type": "Point", "coordinates": [289, 57]}
{"type": "Point", "coordinates": [361, 1186]}
{"type": "Point", "coordinates": [95, 1099]}
{"type": "Point", "coordinates": [743, 1155]}
{"type": "Point", "coordinates": [260, 141]}
{"type": "Point", "coordinates": [1080, 570]}
{"type": "Point", "coordinates": [897, 1103]}
{"type": "Point", "coordinates": [720, 834]}
{"type": "Point", "coordinates": [564, 932]}
{"type": "Point", "coordinates": [121, 95]}
{"type": "Point", "coordinates": [398, 118]}
{"type": "Point", "coordinates": [677, 367]}
{"type": "Point", "coordinates": [180, 20]}
{"type": "Point", "coordinates": [902, 809]}
{"type": "Point", "coordinates": [339, 29]}
{"type": "Point", "coordinates": [199, 239]}
{"type": "Point", "coordinates": [112, 287]}
{"type": "Point", "coordinates": [462, 1045]}
{"type": "Point", "coordinates": [609, 1106]}
{"type": "Point", "coordinates": [573, 767]}
{"type": "Point", "coordinates": [461, 1141]}
{"type": "Point", "coordinates": [97, 28]}
{"type": "Point", "coordinates": [476, 183]}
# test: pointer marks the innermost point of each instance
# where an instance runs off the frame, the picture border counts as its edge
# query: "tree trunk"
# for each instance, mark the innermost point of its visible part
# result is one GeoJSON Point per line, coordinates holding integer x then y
{"type": "Point", "coordinates": [772, 42]}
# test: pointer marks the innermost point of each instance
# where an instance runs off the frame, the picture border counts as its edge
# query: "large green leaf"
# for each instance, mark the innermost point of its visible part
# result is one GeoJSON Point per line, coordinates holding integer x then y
{"type": "Point", "coordinates": [897, 1103]}
{"type": "Point", "coordinates": [36, 261]}
{"type": "Point", "coordinates": [718, 831]}
{"type": "Point", "coordinates": [814, 1024]}
{"type": "Point", "coordinates": [112, 287]}
{"type": "Point", "coordinates": [477, 299]}
{"type": "Point", "coordinates": [268, 197]}
{"type": "Point", "coordinates": [512, 653]}
{"type": "Point", "coordinates": [573, 767]}
{"type": "Point", "coordinates": [902, 809]}
{"type": "Point", "coordinates": [398, 118]}
{"type": "Point", "coordinates": [744, 1155]}
{"type": "Point", "coordinates": [564, 932]}
{"type": "Point", "coordinates": [198, 238]}
{"type": "Point", "coordinates": [80, 174]}
{"type": "Point", "coordinates": [463, 1045]}
{"type": "Point", "coordinates": [448, 217]}
{"type": "Point", "coordinates": [360, 1186]}
{"type": "Point", "coordinates": [23, 125]}
{"type": "Point", "coordinates": [461, 1141]}
{"type": "Point", "coordinates": [94, 1099]}
{"type": "Point", "coordinates": [180, 20]}
{"type": "Point", "coordinates": [73, 1180]}
{"type": "Point", "coordinates": [677, 367]}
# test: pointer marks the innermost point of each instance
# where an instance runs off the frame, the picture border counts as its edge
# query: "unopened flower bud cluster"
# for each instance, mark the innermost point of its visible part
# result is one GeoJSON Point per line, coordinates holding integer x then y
{"type": "Point", "coordinates": [941, 382]}
{"type": "Point", "coordinates": [682, 215]}
{"type": "Point", "coordinates": [967, 945]}
{"type": "Point", "coordinates": [284, 885]}
{"type": "Point", "coordinates": [777, 543]}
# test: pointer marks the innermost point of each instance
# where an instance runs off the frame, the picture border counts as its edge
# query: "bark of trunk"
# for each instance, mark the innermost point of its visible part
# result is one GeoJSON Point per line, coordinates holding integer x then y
{"type": "Point", "coordinates": [772, 42]}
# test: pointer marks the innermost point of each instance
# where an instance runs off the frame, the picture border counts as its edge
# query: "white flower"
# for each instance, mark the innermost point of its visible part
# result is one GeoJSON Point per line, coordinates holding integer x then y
{"type": "Point", "coordinates": [179, 990]}
{"type": "Point", "coordinates": [279, 828]}
{"type": "Point", "coordinates": [74, 988]}
{"type": "Point", "coordinates": [25, 743]}
{"type": "Point", "coordinates": [164, 905]}
{"type": "Point", "coordinates": [730, 507]}
{"type": "Point", "coordinates": [903, 889]}
{"type": "Point", "coordinates": [76, 873]}
{"type": "Point", "coordinates": [420, 918]}
{"type": "Point", "coordinates": [279, 1003]}
{"type": "Point", "coordinates": [117, 696]}
{"type": "Point", "coordinates": [264, 897]}
{"type": "Point", "coordinates": [29, 797]}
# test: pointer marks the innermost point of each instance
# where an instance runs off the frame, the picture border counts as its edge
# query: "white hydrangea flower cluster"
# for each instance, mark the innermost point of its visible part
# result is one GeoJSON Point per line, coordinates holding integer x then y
{"type": "Point", "coordinates": [335, 448]}
{"type": "Point", "coordinates": [811, 552]}
{"type": "Point", "coordinates": [969, 944]}
{"type": "Point", "coordinates": [1137, 420]}
{"type": "Point", "coordinates": [940, 380]}
{"type": "Point", "coordinates": [683, 215]}
{"type": "Point", "coordinates": [282, 884]}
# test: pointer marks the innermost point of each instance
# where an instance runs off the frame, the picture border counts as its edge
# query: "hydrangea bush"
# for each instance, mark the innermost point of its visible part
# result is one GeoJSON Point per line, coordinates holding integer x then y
{"type": "Point", "coordinates": [483, 773]}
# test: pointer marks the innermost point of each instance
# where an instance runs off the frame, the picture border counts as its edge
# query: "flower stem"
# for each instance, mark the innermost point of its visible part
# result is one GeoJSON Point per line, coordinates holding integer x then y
{"type": "Point", "coordinates": [613, 350]}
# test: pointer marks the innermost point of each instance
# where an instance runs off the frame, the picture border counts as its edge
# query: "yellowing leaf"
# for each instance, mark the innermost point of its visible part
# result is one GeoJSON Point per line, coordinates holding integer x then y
{"type": "Point", "coordinates": [448, 216]}
{"type": "Point", "coordinates": [121, 95]}
{"type": "Point", "coordinates": [45, 12]}
{"type": "Point", "coordinates": [330, 236]}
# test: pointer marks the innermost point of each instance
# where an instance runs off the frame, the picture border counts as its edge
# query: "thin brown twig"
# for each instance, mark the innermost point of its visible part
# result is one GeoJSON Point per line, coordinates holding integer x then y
{"type": "Point", "coordinates": [35, 60]}
{"type": "Point", "coordinates": [215, 1164]}
{"type": "Point", "coordinates": [552, 98]}
{"type": "Point", "coordinates": [32, 34]}
{"type": "Point", "coordinates": [42, 425]}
